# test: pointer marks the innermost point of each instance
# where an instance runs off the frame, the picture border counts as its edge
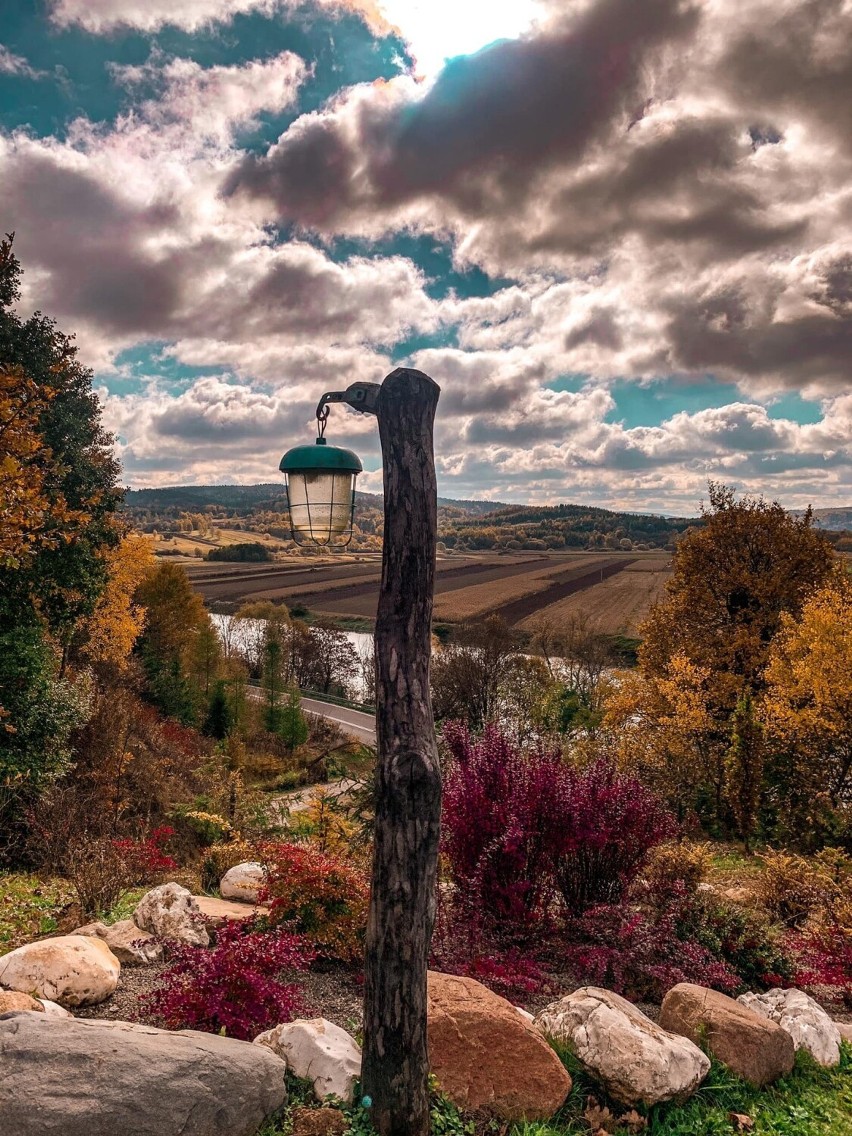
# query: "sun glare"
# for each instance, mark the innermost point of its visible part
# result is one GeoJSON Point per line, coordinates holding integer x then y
{"type": "Point", "coordinates": [438, 30]}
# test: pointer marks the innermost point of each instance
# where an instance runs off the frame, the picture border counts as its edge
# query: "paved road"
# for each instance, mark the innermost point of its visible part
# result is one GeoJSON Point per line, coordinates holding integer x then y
{"type": "Point", "coordinates": [355, 722]}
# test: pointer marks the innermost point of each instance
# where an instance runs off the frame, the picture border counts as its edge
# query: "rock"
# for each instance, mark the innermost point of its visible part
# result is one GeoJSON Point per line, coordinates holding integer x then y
{"type": "Point", "coordinates": [486, 1056]}
{"type": "Point", "coordinates": [12, 1001]}
{"type": "Point", "coordinates": [243, 882]}
{"type": "Point", "coordinates": [750, 1045]}
{"type": "Point", "coordinates": [54, 1010]}
{"type": "Point", "coordinates": [130, 944]}
{"type": "Point", "coordinates": [318, 1122]}
{"type": "Point", "coordinates": [845, 1031]}
{"type": "Point", "coordinates": [742, 895]}
{"type": "Point", "coordinates": [171, 912]}
{"type": "Point", "coordinates": [216, 911]}
{"type": "Point", "coordinates": [75, 970]}
{"type": "Point", "coordinates": [526, 1015]}
{"type": "Point", "coordinates": [319, 1051]}
{"type": "Point", "coordinates": [804, 1020]}
{"type": "Point", "coordinates": [87, 1077]}
{"type": "Point", "coordinates": [636, 1060]}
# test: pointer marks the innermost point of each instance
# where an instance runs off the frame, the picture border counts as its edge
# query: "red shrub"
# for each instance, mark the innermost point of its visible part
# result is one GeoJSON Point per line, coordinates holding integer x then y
{"type": "Point", "coordinates": [521, 827]}
{"type": "Point", "coordinates": [499, 824]}
{"type": "Point", "coordinates": [146, 859]}
{"type": "Point", "coordinates": [320, 896]}
{"type": "Point", "coordinates": [823, 958]}
{"type": "Point", "coordinates": [609, 823]}
{"type": "Point", "coordinates": [233, 987]}
{"type": "Point", "coordinates": [619, 948]}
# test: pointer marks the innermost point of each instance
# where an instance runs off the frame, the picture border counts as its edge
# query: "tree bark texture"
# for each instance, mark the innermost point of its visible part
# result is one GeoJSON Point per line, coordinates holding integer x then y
{"type": "Point", "coordinates": [408, 778]}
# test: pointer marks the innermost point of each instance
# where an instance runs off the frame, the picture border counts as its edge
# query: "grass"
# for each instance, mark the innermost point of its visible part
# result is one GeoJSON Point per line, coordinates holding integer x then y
{"type": "Point", "coordinates": [810, 1102]}
{"type": "Point", "coordinates": [30, 906]}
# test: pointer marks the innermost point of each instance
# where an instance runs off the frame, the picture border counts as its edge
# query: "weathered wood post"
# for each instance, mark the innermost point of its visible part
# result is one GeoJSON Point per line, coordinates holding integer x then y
{"type": "Point", "coordinates": [408, 778]}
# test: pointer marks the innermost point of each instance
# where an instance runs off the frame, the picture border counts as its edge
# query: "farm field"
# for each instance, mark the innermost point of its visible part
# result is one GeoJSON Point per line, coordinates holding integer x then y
{"type": "Point", "coordinates": [618, 604]}
{"type": "Point", "coordinates": [615, 589]}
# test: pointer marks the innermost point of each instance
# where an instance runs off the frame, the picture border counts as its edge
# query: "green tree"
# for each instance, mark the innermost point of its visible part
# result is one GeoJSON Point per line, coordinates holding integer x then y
{"type": "Point", "coordinates": [219, 720]}
{"type": "Point", "coordinates": [61, 583]}
{"type": "Point", "coordinates": [292, 724]}
{"type": "Point", "coordinates": [744, 768]}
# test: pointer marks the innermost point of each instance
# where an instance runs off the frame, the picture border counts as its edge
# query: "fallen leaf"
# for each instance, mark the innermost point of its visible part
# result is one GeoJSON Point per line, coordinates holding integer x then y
{"type": "Point", "coordinates": [741, 1122]}
{"type": "Point", "coordinates": [633, 1121]}
{"type": "Point", "coordinates": [598, 1117]}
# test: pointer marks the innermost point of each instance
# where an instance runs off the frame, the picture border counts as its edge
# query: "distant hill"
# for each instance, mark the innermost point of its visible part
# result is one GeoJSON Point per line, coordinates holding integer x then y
{"type": "Point", "coordinates": [835, 520]}
{"type": "Point", "coordinates": [247, 498]}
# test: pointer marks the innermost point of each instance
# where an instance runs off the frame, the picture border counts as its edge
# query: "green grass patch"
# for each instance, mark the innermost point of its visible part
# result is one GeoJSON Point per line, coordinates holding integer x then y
{"type": "Point", "coordinates": [812, 1101]}
{"type": "Point", "coordinates": [30, 906]}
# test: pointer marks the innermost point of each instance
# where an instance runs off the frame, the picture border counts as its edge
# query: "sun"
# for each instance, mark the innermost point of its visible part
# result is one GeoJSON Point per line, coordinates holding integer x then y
{"type": "Point", "coordinates": [438, 30]}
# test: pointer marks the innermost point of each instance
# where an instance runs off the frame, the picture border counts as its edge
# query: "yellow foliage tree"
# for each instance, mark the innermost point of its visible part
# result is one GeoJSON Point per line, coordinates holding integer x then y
{"type": "Point", "coordinates": [661, 727]}
{"type": "Point", "coordinates": [808, 704]}
{"type": "Point", "coordinates": [32, 516]}
{"type": "Point", "coordinates": [110, 632]}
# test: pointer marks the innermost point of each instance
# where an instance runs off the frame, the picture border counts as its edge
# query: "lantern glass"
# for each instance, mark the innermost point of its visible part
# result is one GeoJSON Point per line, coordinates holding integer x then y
{"type": "Point", "coordinates": [321, 504]}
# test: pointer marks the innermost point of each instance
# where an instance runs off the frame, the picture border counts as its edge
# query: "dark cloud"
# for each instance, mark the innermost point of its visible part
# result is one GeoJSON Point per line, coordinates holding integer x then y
{"type": "Point", "coordinates": [488, 127]}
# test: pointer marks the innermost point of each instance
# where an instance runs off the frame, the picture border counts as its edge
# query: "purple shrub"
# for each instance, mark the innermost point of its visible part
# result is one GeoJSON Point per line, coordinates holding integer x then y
{"type": "Point", "coordinates": [500, 823]}
{"type": "Point", "coordinates": [608, 824]}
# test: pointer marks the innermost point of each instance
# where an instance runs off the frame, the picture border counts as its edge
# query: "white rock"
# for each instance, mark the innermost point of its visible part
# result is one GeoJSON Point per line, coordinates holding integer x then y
{"type": "Point", "coordinates": [804, 1020]}
{"type": "Point", "coordinates": [318, 1051]}
{"type": "Point", "coordinates": [243, 882]}
{"type": "Point", "coordinates": [73, 969]}
{"type": "Point", "coordinates": [630, 1055]}
{"type": "Point", "coordinates": [170, 911]}
{"type": "Point", "coordinates": [54, 1010]}
{"type": "Point", "coordinates": [130, 944]}
{"type": "Point", "coordinates": [526, 1015]}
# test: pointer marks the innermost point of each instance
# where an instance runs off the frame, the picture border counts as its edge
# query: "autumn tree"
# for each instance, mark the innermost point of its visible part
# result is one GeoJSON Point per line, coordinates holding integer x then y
{"type": "Point", "coordinates": [61, 583]}
{"type": "Point", "coordinates": [176, 622]}
{"type": "Point", "coordinates": [107, 636]}
{"type": "Point", "coordinates": [736, 577]}
{"type": "Point", "coordinates": [807, 711]}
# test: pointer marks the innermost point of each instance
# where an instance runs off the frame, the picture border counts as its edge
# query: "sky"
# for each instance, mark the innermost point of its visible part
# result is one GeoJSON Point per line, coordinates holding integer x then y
{"type": "Point", "coordinates": [617, 233]}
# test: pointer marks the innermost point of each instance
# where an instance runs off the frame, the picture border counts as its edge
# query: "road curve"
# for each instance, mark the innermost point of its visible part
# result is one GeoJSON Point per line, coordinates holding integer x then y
{"type": "Point", "coordinates": [355, 722]}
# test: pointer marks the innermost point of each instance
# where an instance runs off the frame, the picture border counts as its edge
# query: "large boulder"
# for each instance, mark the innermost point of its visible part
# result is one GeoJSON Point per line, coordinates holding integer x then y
{"type": "Point", "coordinates": [130, 944]}
{"type": "Point", "coordinates": [636, 1060]}
{"type": "Point", "coordinates": [317, 1050]}
{"type": "Point", "coordinates": [486, 1056]}
{"type": "Point", "coordinates": [75, 970]}
{"type": "Point", "coordinates": [218, 911]}
{"type": "Point", "coordinates": [243, 882]}
{"type": "Point", "coordinates": [12, 1001]}
{"type": "Point", "coordinates": [170, 911]}
{"type": "Point", "coordinates": [804, 1020]}
{"type": "Point", "coordinates": [845, 1031]}
{"type": "Point", "coordinates": [88, 1077]}
{"type": "Point", "coordinates": [753, 1047]}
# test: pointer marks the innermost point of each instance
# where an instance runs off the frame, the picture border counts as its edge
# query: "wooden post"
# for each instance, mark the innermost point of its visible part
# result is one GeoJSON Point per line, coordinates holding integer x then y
{"type": "Point", "coordinates": [395, 1063]}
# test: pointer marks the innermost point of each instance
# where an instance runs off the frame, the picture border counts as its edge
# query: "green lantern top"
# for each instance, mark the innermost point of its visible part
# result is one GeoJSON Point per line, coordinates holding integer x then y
{"type": "Point", "coordinates": [320, 458]}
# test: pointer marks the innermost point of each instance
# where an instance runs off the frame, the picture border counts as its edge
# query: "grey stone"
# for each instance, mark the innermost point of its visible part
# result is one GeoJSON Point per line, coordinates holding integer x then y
{"type": "Point", "coordinates": [103, 1078]}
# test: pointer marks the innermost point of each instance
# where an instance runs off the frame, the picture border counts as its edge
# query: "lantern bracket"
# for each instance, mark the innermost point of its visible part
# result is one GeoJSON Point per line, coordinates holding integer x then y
{"type": "Point", "coordinates": [360, 396]}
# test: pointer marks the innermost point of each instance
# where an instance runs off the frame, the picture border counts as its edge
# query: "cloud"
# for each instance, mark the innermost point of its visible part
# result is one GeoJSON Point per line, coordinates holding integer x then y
{"type": "Point", "coordinates": [104, 16]}
{"type": "Point", "coordinates": [11, 64]}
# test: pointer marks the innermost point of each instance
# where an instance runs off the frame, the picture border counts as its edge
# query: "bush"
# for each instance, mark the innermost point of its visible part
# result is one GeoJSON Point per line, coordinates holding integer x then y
{"type": "Point", "coordinates": [609, 823]}
{"type": "Point", "coordinates": [500, 823]}
{"type": "Point", "coordinates": [677, 862]}
{"type": "Point", "coordinates": [146, 858]}
{"type": "Point", "coordinates": [250, 551]}
{"type": "Point", "coordinates": [99, 874]}
{"type": "Point", "coordinates": [218, 858]}
{"type": "Point", "coordinates": [624, 950]}
{"type": "Point", "coordinates": [233, 988]}
{"type": "Point", "coordinates": [791, 888]}
{"type": "Point", "coordinates": [320, 896]}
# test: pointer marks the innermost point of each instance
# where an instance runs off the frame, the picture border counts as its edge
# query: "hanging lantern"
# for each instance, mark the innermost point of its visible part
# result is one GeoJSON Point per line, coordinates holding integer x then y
{"type": "Point", "coordinates": [321, 492]}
